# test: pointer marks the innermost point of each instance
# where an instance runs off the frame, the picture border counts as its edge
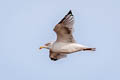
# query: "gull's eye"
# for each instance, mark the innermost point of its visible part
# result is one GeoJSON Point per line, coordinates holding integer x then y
{"type": "Point", "coordinates": [47, 44]}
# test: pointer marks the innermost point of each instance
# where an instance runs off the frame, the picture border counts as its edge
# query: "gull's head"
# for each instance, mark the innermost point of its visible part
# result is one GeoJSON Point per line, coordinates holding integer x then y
{"type": "Point", "coordinates": [47, 45]}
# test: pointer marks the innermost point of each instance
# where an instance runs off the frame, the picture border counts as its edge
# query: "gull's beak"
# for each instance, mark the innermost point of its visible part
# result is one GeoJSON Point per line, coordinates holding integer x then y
{"type": "Point", "coordinates": [42, 47]}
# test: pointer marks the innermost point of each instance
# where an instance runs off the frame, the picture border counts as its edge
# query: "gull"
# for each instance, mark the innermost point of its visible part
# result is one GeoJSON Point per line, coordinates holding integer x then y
{"type": "Point", "coordinates": [65, 42]}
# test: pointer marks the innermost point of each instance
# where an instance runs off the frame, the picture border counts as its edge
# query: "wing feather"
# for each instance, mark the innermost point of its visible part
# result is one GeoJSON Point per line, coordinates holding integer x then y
{"type": "Point", "coordinates": [64, 28]}
{"type": "Point", "coordinates": [56, 56]}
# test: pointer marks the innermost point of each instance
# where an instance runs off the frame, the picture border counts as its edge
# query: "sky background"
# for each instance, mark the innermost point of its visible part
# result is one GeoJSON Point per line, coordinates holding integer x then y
{"type": "Point", "coordinates": [25, 25]}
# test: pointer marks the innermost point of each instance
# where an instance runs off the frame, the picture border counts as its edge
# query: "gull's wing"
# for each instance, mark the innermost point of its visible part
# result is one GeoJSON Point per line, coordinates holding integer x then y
{"type": "Point", "coordinates": [64, 29]}
{"type": "Point", "coordinates": [56, 56]}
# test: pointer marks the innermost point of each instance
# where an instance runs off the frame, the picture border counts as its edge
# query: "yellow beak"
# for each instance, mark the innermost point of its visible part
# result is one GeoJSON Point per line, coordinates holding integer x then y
{"type": "Point", "coordinates": [42, 47]}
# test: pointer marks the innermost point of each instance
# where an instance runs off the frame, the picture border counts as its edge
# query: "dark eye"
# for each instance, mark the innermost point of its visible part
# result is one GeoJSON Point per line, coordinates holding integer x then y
{"type": "Point", "coordinates": [47, 44]}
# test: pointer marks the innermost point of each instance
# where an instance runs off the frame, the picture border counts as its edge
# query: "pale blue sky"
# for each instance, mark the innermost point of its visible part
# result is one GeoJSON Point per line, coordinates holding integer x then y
{"type": "Point", "coordinates": [27, 24]}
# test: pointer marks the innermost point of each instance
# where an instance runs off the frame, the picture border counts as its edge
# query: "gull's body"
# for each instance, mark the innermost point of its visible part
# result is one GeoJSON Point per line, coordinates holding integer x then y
{"type": "Point", "coordinates": [66, 47]}
{"type": "Point", "coordinates": [65, 43]}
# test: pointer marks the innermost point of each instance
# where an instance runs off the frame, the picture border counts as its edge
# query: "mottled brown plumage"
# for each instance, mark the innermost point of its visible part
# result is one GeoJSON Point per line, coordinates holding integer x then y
{"type": "Point", "coordinates": [64, 29]}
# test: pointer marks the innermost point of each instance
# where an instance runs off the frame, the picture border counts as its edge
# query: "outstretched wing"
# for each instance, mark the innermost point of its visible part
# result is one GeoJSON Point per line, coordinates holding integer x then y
{"type": "Point", "coordinates": [64, 29]}
{"type": "Point", "coordinates": [56, 56]}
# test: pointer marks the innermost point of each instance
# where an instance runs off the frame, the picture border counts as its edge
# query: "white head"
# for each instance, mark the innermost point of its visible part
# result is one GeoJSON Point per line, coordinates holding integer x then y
{"type": "Point", "coordinates": [47, 45]}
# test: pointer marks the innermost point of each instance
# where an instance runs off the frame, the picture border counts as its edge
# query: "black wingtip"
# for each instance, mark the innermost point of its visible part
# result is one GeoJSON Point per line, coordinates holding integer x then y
{"type": "Point", "coordinates": [70, 12]}
{"type": "Point", "coordinates": [53, 59]}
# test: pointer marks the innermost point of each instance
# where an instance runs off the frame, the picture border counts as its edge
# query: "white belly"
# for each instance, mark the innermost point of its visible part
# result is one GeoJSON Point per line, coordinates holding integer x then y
{"type": "Point", "coordinates": [67, 47]}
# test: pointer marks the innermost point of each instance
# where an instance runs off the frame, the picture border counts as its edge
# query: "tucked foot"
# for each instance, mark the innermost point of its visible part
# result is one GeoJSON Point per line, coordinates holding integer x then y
{"type": "Point", "coordinates": [89, 49]}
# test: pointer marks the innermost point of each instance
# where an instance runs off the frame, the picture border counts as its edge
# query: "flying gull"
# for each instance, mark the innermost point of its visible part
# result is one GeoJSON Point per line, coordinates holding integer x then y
{"type": "Point", "coordinates": [65, 43]}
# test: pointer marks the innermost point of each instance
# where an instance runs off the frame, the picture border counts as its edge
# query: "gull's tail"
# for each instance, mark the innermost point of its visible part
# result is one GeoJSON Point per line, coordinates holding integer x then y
{"type": "Point", "coordinates": [89, 49]}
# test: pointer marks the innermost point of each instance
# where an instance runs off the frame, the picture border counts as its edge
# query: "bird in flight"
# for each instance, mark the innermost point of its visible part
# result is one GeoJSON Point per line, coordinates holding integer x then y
{"type": "Point", "coordinates": [65, 42]}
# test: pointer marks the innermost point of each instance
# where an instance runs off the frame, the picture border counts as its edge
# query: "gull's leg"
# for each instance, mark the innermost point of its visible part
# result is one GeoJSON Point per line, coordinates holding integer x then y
{"type": "Point", "coordinates": [89, 49]}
